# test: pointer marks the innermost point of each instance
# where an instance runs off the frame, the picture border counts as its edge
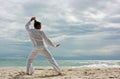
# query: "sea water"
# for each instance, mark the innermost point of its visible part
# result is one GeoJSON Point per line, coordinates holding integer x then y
{"type": "Point", "coordinates": [63, 63]}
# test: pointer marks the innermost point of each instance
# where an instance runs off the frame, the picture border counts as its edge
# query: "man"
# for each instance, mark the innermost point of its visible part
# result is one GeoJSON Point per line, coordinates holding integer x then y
{"type": "Point", "coordinates": [39, 41]}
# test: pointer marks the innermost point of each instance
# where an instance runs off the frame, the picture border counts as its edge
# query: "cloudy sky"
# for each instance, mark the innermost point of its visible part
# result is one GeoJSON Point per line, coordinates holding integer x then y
{"type": "Point", "coordinates": [86, 29]}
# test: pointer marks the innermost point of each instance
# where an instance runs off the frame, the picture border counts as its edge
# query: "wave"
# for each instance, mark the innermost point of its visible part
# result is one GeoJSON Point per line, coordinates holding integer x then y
{"type": "Point", "coordinates": [100, 66]}
{"type": "Point", "coordinates": [63, 63]}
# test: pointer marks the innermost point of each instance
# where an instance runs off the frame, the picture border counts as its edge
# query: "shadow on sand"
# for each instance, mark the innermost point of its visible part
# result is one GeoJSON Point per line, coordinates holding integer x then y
{"type": "Point", "coordinates": [23, 75]}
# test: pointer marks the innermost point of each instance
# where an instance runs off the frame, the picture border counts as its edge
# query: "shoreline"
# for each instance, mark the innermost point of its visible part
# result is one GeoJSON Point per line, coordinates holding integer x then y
{"type": "Point", "coordinates": [67, 73]}
{"type": "Point", "coordinates": [84, 66]}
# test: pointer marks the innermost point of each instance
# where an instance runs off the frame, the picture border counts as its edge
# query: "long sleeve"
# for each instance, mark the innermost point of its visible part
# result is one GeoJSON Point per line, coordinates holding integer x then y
{"type": "Point", "coordinates": [27, 26]}
{"type": "Point", "coordinates": [47, 40]}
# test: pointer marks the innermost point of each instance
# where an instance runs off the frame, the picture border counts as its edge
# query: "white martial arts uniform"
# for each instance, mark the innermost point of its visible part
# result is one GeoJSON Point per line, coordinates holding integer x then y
{"type": "Point", "coordinates": [39, 39]}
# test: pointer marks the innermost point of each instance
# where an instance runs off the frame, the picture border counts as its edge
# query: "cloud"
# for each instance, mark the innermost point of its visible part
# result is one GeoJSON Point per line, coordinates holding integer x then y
{"type": "Point", "coordinates": [114, 19]}
{"type": "Point", "coordinates": [78, 15]}
{"type": "Point", "coordinates": [92, 44]}
{"type": "Point", "coordinates": [103, 51]}
{"type": "Point", "coordinates": [81, 25]}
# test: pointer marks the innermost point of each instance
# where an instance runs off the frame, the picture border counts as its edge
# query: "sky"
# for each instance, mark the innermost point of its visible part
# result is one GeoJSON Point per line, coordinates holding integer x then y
{"type": "Point", "coordinates": [86, 29]}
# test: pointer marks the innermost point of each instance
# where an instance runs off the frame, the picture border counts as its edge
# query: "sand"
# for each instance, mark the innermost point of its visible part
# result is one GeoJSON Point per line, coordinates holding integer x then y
{"type": "Point", "coordinates": [67, 73]}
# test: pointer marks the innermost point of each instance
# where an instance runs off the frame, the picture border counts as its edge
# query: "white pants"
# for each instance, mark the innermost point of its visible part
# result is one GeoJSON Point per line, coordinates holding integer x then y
{"type": "Point", "coordinates": [45, 53]}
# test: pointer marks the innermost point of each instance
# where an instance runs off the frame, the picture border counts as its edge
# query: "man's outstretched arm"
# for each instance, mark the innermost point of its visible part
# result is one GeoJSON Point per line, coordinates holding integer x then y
{"type": "Point", "coordinates": [48, 41]}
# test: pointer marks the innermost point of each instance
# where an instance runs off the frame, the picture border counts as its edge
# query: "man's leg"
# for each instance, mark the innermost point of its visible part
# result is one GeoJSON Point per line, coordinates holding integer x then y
{"type": "Point", "coordinates": [50, 58]}
{"type": "Point", "coordinates": [32, 56]}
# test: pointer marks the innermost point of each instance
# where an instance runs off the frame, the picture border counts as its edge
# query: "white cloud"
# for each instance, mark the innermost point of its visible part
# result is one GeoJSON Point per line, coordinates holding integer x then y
{"type": "Point", "coordinates": [85, 22]}
{"type": "Point", "coordinates": [103, 51]}
{"type": "Point", "coordinates": [94, 14]}
{"type": "Point", "coordinates": [114, 19]}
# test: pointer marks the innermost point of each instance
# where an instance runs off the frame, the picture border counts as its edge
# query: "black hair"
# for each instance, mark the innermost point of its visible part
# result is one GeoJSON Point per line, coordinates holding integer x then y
{"type": "Point", "coordinates": [36, 23]}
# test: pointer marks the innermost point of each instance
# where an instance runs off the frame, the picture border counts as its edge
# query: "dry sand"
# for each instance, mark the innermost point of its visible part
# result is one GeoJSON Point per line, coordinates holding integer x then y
{"type": "Point", "coordinates": [67, 73]}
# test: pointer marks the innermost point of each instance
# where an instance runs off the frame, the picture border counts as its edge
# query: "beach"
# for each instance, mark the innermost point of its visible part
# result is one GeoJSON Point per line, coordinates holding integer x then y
{"type": "Point", "coordinates": [67, 73]}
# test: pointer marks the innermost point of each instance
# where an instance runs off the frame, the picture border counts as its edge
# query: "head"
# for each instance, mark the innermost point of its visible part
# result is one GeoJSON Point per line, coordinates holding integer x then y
{"type": "Point", "coordinates": [37, 24]}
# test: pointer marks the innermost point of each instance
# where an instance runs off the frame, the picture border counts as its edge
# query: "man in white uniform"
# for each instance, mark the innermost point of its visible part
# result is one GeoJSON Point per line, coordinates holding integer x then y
{"type": "Point", "coordinates": [39, 40]}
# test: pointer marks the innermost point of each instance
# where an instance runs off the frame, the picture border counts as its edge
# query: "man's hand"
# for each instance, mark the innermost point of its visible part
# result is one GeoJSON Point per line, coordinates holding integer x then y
{"type": "Point", "coordinates": [57, 45]}
{"type": "Point", "coordinates": [33, 18]}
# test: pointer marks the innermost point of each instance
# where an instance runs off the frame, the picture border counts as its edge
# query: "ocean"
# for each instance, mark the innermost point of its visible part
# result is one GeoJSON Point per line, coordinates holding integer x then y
{"type": "Point", "coordinates": [62, 63]}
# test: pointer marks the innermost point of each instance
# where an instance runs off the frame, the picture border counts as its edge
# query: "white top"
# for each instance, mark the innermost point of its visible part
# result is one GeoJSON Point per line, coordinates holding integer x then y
{"type": "Point", "coordinates": [38, 37]}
